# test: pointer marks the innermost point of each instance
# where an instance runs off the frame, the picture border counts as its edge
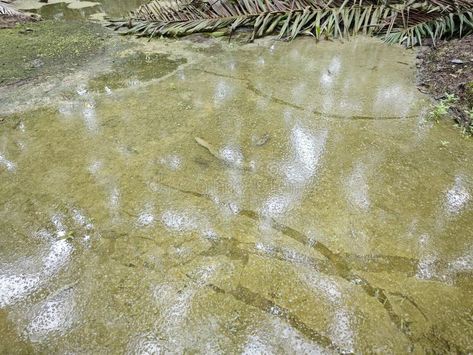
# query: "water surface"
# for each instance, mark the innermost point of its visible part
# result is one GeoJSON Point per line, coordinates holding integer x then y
{"type": "Point", "coordinates": [328, 216]}
{"type": "Point", "coordinates": [77, 9]}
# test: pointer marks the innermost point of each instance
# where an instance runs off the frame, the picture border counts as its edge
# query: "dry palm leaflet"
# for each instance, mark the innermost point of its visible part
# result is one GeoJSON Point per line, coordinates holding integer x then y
{"type": "Point", "coordinates": [398, 21]}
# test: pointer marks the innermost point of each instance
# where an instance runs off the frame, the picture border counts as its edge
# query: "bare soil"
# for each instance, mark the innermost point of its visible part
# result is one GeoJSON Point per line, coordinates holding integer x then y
{"type": "Point", "coordinates": [448, 69]}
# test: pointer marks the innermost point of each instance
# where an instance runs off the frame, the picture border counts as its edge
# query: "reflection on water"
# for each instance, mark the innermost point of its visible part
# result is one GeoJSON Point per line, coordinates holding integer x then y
{"type": "Point", "coordinates": [457, 196]}
{"type": "Point", "coordinates": [318, 215]}
{"type": "Point", "coordinates": [54, 315]}
{"type": "Point", "coordinates": [7, 164]}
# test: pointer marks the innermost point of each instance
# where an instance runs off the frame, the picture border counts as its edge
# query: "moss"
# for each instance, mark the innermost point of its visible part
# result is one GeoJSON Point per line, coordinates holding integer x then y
{"type": "Point", "coordinates": [47, 47]}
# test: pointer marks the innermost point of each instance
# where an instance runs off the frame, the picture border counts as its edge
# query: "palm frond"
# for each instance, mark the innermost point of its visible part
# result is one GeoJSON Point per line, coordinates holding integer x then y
{"type": "Point", "coordinates": [400, 21]}
{"type": "Point", "coordinates": [434, 19]}
{"type": "Point", "coordinates": [435, 27]}
{"type": "Point", "coordinates": [7, 9]}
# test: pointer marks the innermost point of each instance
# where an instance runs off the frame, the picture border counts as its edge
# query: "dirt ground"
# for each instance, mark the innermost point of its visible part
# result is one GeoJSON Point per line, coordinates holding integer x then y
{"type": "Point", "coordinates": [448, 69]}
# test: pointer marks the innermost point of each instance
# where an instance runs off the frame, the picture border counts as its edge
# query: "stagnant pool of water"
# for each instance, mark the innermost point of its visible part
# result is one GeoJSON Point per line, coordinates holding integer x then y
{"type": "Point", "coordinates": [77, 9]}
{"type": "Point", "coordinates": [286, 197]}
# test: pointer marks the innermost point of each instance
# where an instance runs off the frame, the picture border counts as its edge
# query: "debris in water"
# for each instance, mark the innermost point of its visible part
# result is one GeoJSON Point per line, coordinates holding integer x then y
{"type": "Point", "coordinates": [226, 157]}
{"type": "Point", "coordinates": [259, 141]}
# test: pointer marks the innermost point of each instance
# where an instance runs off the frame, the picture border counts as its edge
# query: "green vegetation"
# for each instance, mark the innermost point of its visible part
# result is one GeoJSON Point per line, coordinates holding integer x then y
{"type": "Point", "coordinates": [46, 47]}
{"type": "Point", "coordinates": [441, 109]}
{"type": "Point", "coordinates": [398, 21]}
{"type": "Point", "coordinates": [137, 66]}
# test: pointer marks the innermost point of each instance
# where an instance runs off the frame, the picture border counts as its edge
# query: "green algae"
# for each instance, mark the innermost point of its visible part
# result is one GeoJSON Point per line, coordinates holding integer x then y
{"type": "Point", "coordinates": [137, 66]}
{"type": "Point", "coordinates": [47, 48]}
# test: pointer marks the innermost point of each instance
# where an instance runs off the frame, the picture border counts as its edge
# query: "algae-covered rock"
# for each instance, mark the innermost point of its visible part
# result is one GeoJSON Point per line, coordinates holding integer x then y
{"type": "Point", "coordinates": [46, 48]}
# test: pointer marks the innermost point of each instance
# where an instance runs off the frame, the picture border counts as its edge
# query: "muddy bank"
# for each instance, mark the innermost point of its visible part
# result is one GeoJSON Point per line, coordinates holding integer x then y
{"type": "Point", "coordinates": [448, 69]}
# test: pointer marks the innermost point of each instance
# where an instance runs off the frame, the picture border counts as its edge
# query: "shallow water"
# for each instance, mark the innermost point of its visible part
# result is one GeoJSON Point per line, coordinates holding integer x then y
{"type": "Point", "coordinates": [77, 9]}
{"type": "Point", "coordinates": [328, 215]}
